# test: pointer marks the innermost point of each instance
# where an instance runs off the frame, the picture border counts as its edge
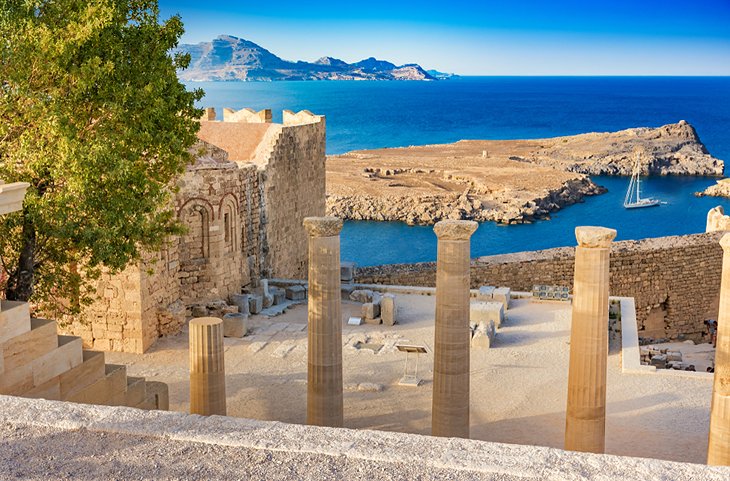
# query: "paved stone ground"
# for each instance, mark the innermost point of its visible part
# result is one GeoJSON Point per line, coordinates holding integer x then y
{"type": "Point", "coordinates": [518, 387]}
{"type": "Point", "coordinates": [101, 456]}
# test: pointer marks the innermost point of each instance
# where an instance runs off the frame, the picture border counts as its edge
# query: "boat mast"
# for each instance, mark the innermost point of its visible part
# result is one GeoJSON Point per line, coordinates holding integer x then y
{"type": "Point", "coordinates": [638, 178]}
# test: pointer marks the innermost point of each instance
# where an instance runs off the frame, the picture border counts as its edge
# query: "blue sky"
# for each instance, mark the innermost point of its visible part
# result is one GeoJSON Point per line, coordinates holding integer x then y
{"type": "Point", "coordinates": [518, 37]}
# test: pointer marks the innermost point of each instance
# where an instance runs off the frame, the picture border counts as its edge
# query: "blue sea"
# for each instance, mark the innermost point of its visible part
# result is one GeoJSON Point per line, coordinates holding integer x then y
{"type": "Point", "coordinates": [365, 115]}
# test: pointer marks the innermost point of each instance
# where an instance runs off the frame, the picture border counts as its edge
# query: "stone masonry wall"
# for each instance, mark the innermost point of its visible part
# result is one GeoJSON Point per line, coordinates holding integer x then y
{"type": "Point", "coordinates": [113, 321]}
{"type": "Point", "coordinates": [676, 278]}
{"type": "Point", "coordinates": [293, 188]}
{"type": "Point", "coordinates": [211, 251]}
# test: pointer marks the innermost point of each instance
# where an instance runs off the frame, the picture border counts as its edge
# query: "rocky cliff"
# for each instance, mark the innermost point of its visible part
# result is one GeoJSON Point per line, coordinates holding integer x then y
{"type": "Point", "coordinates": [228, 58]}
{"type": "Point", "coordinates": [673, 149]}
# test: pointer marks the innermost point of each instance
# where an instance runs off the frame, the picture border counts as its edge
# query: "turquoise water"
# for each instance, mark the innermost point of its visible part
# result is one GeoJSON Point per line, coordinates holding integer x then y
{"type": "Point", "coordinates": [364, 115]}
{"type": "Point", "coordinates": [373, 243]}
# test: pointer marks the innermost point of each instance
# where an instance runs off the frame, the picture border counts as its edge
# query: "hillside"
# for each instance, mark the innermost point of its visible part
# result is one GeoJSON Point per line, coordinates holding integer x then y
{"type": "Point", "coordinates": [229, 58]}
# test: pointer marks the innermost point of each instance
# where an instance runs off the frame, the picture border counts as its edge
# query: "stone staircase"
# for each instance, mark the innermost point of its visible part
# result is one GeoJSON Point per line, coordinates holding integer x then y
{"type": "Point", "coordinates": [37, 362]}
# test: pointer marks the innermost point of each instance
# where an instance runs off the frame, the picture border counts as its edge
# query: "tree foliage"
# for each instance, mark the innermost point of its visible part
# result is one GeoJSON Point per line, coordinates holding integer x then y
{"type": "Point", "coordinates": [93, 116]}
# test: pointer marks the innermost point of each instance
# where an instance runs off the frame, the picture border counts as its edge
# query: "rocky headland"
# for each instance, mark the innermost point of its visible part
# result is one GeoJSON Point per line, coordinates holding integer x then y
{"type": "Point", "coordinates": [228, 58]}
{"type": "Point", "coordinates": [721, 189]}
{"type": "Point", "coordinates": [673, 149]}
{"type": "Point", "coordinates": [507, 181]}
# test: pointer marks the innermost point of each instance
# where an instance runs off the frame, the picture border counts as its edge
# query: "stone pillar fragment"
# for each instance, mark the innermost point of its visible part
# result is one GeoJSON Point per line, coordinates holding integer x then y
{"type": "Point", "coordinates": [207, 369]}
{"type": "Point", "coordinates": [452, 336]}
{"type": "Point", "coordinates": [585, 420]}
{"type": "Point", "coordinates": [718, 450]}
{"type": "Point", "coordinates": [324, 353]}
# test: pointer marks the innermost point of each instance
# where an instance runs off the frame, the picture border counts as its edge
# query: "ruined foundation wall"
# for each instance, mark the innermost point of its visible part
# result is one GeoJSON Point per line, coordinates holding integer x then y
{"type": "Point", "coordinates": [675, 280]}
{"type": "Point", "coordinates": [293, 188]}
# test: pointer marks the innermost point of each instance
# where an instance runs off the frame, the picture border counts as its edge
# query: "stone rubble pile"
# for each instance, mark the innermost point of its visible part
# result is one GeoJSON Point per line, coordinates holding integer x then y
{"type": "Point", "coordinates": [664, 359]}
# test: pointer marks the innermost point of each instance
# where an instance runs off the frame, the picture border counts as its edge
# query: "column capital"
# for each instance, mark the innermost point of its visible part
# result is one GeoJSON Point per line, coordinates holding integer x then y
{"type": "Point", "coordinates": [725, 242]}
{"type": "Point", "coordinates": [594, 237]}
{"type": "Point", "coordinates": [323, 226]}
{"type": "Point", "coordinates": [455, 229]}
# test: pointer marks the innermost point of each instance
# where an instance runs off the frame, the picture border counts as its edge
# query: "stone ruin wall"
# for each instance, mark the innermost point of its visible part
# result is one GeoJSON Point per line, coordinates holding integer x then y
{"type": "Point", "coordinates": [294, 188]}
{"type": "Point", "coordinates": [243, 212]}
{"type": "Point", "coordinates": [674, 280]}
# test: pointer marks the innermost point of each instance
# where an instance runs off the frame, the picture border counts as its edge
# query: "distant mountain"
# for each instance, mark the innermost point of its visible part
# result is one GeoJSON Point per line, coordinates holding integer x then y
{"type": "Point", "coordinates": [228, 58]}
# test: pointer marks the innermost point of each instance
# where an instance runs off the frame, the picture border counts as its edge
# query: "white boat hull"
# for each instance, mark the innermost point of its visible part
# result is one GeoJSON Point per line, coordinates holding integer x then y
{"type": "Point", "coordinates": [643, 203]}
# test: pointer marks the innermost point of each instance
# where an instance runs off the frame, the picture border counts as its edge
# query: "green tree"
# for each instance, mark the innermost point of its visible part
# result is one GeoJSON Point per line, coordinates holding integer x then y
{"type": "Point", "coordinates": [93, 116]}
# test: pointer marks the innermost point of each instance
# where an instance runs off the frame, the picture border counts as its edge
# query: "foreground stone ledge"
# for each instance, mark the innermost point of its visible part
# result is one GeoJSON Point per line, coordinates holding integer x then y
{"type": "Point", "coordinates": [383, 451]}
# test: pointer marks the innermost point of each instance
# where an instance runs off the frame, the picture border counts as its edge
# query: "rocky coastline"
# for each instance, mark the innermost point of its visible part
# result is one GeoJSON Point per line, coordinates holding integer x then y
{"type": "Point", "coordinates": [721, 189]}
{"type": "Point", "coordinates": [505, 181]}
{"type": "Point", "coordinates": [429, 209]}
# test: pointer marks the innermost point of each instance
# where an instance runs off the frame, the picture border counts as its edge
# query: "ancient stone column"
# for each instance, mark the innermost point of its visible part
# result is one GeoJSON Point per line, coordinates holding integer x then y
{"type": "Point", "coordinates": [718, 450]}
{"type": "Point", "coordinates": [324, 353]}
{"type": "Point", "coordinates": [450, 405]}
{"type": "Point", "coordinates": [207, 369]}
{"type": "Point", "coordinates": [585, 420]}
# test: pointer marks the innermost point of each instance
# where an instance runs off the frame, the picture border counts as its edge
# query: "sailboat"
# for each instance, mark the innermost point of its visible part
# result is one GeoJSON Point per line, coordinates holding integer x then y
{"type": "Point", "coordinates": [633, 198]}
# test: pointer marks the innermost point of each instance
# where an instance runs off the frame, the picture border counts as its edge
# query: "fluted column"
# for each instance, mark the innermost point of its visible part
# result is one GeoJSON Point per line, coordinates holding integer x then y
{"type": "Point", "coordinates": [718, 450]}
{"type": "Point", "coordinates": [585, 420]}
{"type": "Point", "coordinates": [324, 353]}
{"type": "Point", "coordinates": [207, 369]}
{"type": "Point", "coordinates": [450, 406]}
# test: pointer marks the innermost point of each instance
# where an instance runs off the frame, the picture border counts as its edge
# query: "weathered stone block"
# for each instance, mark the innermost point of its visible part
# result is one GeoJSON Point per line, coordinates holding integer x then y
{"type": "Point", "coordinates": [660, 361]}
{"type": "Point", "coordinates": [674, 356]}
{"type": "Point", "coordinates": [255, 303]}
{"type": "Point", "coordinates": [503, 295]}
{"type": "Point", "coordinates": [160, 392]}
{"type": "Point", "coordinates": [480, 340]}
{"type": "Point", "coordinates": [485, 293]}
{"type": "Point", "coordinates": [347, 271]}
{"type": "Point", "coordinates": [296, 293]}
{"type": "Point", "coordinates": [370, 310]}
{"type": "Point", "coordinates": [240, 300]}
{"type": "Point", "coordinates": [199, 311]}
{"type": "Point", "coordinates": [480, 311]}
{"type": "Point", "coordinates": [234, 325]}
{"type": "Point", "coordinates": [279, 295]}
{"type": "Point", "coordinates": [388, 309]}
{"type": "Point", "coordinates": [361, 295]}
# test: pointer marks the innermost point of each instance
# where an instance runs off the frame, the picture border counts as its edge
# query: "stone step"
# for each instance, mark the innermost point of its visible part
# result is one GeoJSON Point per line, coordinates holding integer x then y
{"type": "Point", "coordinates": [23, 349]}
{"type": "Point", "coordinates": [91, 370]}
{"type": "Point", "coordinates": [149, 404]}
{"type": "Point", "coordinates": [65, 357]}
{"type": "Point", "coordinates": [50, 389]}
{"type": "Point", "coordinates": [105, 390]}
{"type": "Point", "coordinates": [159, 392]}
{"type": "Point", "coordinates": [14, 319]}
{"type": "Point", "coordinates": [136, 391]}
